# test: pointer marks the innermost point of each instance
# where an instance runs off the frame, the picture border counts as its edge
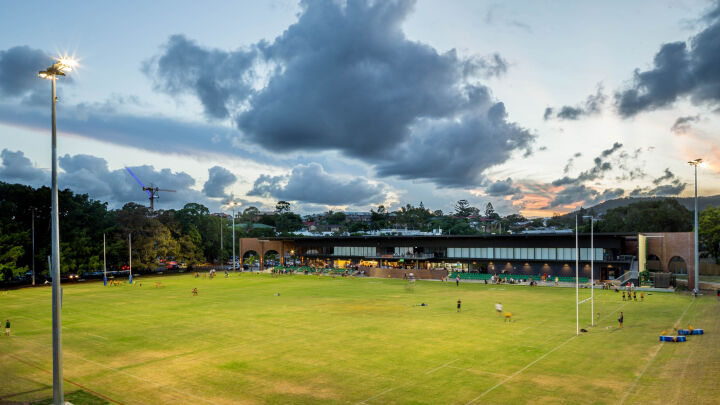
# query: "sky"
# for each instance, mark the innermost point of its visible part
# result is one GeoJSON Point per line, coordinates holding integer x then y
{"type": "Point", "coordinates": [536, 107]}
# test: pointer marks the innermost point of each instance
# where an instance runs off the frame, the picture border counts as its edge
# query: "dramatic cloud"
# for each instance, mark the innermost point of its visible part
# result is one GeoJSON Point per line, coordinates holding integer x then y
{"type": "Point", "coordinates": [219, 79]}
{"type": "Point", "coordinates": [345, 77]}
{"type": "Point", "coordinates": [502, 188]}
{"type": "Point", "coordinates": [673, 186]}
{"type": "Point", "coordinates": [16, 168]}
{"type": "Point", "coordinates": [580, 193]}
{"type": "Point", "coordinates": [91, 175]}
{"type": "Point", "coordinates": [19, 67]}
{"type": "Point", "coordinates": [680, 69]}
{"type": "Point", "coordinates": [220, 178]}
{"type": "Point", "coordinates": [600, 167]}
{"type": "Point", "coordinates": [592, 105]}
{"type": "Point", "coordinates": [312, 184]}
{"type": "Point", "coordinates": [682, 124]}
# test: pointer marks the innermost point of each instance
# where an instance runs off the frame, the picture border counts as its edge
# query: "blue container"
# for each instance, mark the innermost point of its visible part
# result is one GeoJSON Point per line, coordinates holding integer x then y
{"type": "Point", "coordinates": [673, 338]}
{"type": "Point", "coordinates": [697, 332]}
{"type": "Point", "coordinates": [684, 332]}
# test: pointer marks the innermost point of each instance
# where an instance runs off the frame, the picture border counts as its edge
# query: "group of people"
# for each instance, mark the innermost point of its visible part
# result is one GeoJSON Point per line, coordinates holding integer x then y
{"type": "Point", "coordinates": [498, 310]}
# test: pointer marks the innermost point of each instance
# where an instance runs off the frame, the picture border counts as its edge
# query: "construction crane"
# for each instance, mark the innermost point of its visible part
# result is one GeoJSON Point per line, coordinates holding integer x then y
{"type": "Point", "coordinates": [153, 192]}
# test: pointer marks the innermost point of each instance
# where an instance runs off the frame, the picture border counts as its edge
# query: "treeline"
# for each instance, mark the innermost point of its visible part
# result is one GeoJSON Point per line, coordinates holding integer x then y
{"type": "Point", "coordinates": [190, 234]}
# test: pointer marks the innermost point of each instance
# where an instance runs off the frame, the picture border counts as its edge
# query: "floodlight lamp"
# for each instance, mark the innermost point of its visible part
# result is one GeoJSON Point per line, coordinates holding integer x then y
{"type": "Point", "coordinates": [695, 162]}
{"type": "Point", "coordinates": [43, 75]}
{"type": "Point", "coordinates": [66, 64]}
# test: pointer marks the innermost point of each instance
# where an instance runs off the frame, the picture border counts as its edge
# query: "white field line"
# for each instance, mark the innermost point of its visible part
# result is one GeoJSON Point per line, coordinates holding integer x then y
{"type": "Point", "coordinates": [98, 336]}
{"type": "Point", "coordinates": [511, 376]}
{"type": "Point", "coordinates": [444, 365]}
{"type": "Point", "coordinates": [406, 384]}
{"type": "Point", "coordinates": [472, 370]}
{"type": "Point", "coordinates": [186, 394]}
{"type": "Point", "coordinates": [659, 346]}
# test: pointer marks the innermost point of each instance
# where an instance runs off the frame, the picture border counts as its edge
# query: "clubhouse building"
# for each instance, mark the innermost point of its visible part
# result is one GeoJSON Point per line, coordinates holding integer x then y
{"type": "Point", "coordinates": [607, 255]}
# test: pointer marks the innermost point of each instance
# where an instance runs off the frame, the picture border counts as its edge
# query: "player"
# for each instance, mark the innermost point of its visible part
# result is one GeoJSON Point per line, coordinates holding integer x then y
{"type": "Point", "coordinates": [7, 327]}
{"type": "Point", "coordinates": [623, 295]}
{"type": "Point", "coordinates": [508, 316]}
{"type": "Point", "coordinates": [195, 291]}
{"type": "Point", "coordinates": [498, 308]}
{"type": "Point", "coordinates": [620, 320]}
{"type": "Point", "coordinates": [642, 296]}
{"type": "Point", "coordinates": [457, 280]}
{"type": "Point", "coordinates": [635, 296]}
{"type": "Point", "coordinates": [459, 303]}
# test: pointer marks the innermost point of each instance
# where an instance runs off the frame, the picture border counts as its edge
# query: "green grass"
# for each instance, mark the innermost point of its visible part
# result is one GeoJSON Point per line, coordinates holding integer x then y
{"type": "Point", "coordinates": [345, 340]}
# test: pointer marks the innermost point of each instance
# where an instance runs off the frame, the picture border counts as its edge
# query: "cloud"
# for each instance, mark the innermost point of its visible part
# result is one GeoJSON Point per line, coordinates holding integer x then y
{"type": "Point", "coordinates": [502, 188]}
{"type": "Point", "coordinates": [591, 106]}
{"type": "Point", "coordinates": [452, 153]}
{"type": "Point", "coordinates": [673, 186]}
{"type": "Point", "coordinates": [580, 193]}
{"type": "Point", "coordinates": [90, 175]}
{"type": "Point", "coordinates": [682, 124]}
{"type": "Point", "coordinates": [219, 179]}
{"type": "Point", "coordinates": [345, 77]}
{"type": "Point", "coordinates": [600, 167]}
{"type": "Point", "coordinates": [19, 67]}
{"type": "Point", "coordinates": [680, 69]}
{"type": "Point", "coordinates": [16, 168]}
{"type": "Point", "coordinates": [312, 184]}
{"type": "Point", "coordinates": [219, 79]}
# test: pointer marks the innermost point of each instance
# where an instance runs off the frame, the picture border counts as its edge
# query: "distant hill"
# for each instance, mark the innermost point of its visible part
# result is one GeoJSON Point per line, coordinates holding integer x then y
{"type": "Point", "coordinates": [687, 202]}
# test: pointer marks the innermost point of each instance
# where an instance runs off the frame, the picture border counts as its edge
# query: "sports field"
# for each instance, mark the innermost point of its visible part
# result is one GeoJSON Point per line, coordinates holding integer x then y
{"type": "Point", "coordinates": [303, 339]}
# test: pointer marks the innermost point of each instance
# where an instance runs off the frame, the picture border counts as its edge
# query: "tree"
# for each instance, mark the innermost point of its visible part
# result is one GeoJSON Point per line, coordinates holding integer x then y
{"type": "Point", "coordinates": [282, 206]}
{"type": "Point", "coordinates": [335, 218]}
{"type": "Point", "coordinates": [249, 215]}
{"type": "Point", "coordinates": [665, 215]}
{"type": "Point", "coordinates": [489, 210]}
{"type": "Point", "coordinates": [709, 231]}
{"type": "Point", "coordinates": [463, 209]}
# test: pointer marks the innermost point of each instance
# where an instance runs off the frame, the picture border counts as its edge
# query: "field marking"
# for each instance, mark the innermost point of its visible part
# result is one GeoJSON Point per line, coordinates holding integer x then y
{"type": "Point", "coordinates": [129, 375]}
{"type": "Point", "coordinates": [659, 347]}
{"type": "Point", "coordinates": [92, 334]}
{"type": "Point", "coordinates": [472, 370]}
{"type": "Point", "coordinates": [511, 376]}
{"type": "Point", "coordinates": [64, 379]}
{"type": "Point", "coordinates": [444, 365]}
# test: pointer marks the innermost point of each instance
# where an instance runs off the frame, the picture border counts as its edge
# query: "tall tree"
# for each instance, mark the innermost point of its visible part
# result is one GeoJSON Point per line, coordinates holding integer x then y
{"type": "Point", "coordinates": [282, 207]}
{"type": "Point", "coordinates": [709, 231]}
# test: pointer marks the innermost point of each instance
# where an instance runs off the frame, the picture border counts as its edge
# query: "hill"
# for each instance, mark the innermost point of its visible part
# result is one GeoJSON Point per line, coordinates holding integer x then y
{"type": "Point", "coordinates": [687, 202]}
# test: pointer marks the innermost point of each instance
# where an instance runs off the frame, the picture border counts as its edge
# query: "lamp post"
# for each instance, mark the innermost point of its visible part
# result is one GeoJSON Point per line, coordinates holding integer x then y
{"type": "Point", "coordinates": [59, 68]}
{"type": "Point", "coordinates": [696, 289]}
{"type": "Point", "coordinates": [232, 205]}
{"type": "Point", "coordinates": [592, 269]}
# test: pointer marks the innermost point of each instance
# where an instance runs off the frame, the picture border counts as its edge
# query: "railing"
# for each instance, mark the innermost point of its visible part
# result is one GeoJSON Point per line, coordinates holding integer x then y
{"type": "Point", "coordinates": [633, 273]}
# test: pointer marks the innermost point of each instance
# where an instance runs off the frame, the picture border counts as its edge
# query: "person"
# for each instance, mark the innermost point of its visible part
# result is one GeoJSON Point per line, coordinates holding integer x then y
{"type": "Point", "coordinates": [620, 320]}
{"type": "Point", "coordinates": [492, 280]}
{"type": "Point", "coordinates": [623, 295]}
{"type": "Point", "coordinates": [498, 308]}
{"type": "Point", "coordinates": [226, 274]}
{"type": "Point", "coordinates": [556, 281]}
{"type": "Point", "coordinates": [195, 291]}
{"type": "Point", "coordinates": [718, 293]}
{"type": "Point", "coordinates": [508, 316]}
{"type": "Point", "coordinates": [642, 296]}
{"type": "Point", "coordinates": [459, 303]}
{"type": "Point", "coordinates": [457, 280]}
{"type": "Point", "coordinates": [7, 327]}
{"type": "Point", "coordinates": [634, 295]}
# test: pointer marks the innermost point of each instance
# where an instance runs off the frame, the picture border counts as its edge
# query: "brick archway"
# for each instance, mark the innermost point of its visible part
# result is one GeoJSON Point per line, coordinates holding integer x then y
{"type": "Point", "coordinates": [262, 246]}
{"type": "Point", "coordinates": [666, 245]}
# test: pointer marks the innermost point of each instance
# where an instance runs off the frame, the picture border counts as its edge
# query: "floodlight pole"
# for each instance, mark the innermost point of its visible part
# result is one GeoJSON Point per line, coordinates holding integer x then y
{"type": "Point", "coordinates": [696, 289]}
{"type": "Point", "coordinates": [58, 394]}
{"type": "Point", "coordinates": [234, 259]}
{"type": "Point", "coordinates": [33, 246]}
{"type": "Point", "coordinates": [592, 270]}
{"type": "Point", "coordinates": [104, 263]}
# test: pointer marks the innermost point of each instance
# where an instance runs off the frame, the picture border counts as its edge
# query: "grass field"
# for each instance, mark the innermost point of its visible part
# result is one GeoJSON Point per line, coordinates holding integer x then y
{"type": "Point", "coordinates": [337, 340]}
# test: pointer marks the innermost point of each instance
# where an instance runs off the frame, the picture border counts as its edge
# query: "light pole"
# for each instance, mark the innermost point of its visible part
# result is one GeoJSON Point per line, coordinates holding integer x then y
{"type": "Point", "coordinates": [59, 68]}
{"type": "Point", "coordinates": [592, 269]}
{"type": "Point", "coordinates": [232, 205]}
{"type": "Point", "coordinates": [696, 290]}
